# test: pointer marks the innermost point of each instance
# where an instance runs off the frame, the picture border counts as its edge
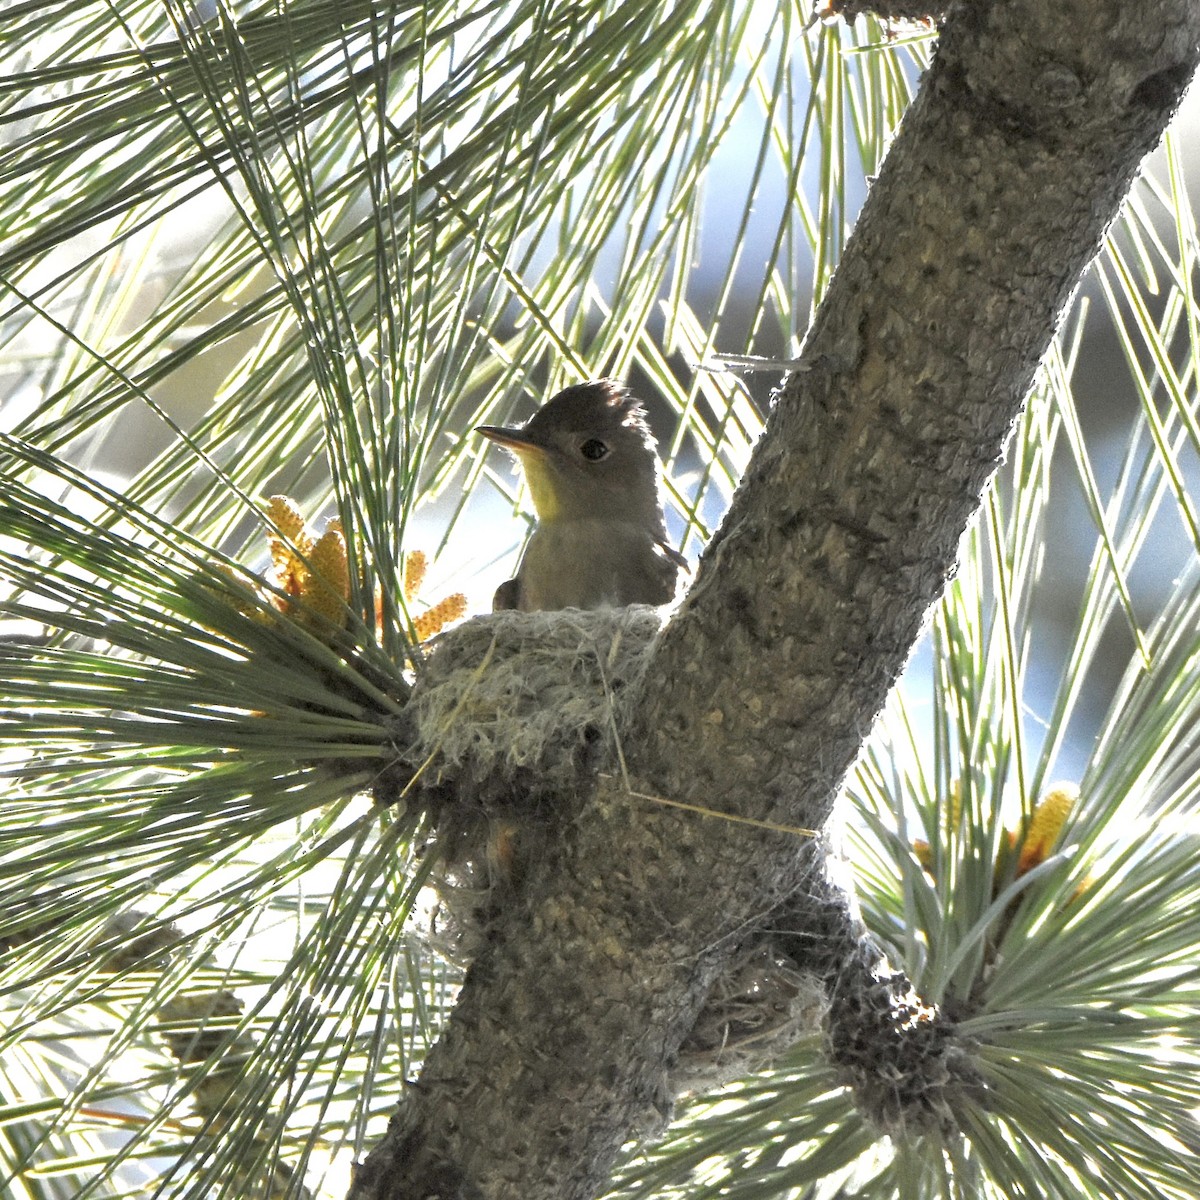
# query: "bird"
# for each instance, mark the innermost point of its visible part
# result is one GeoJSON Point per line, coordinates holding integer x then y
{"type": "Point", "coordinates": [592, 467]}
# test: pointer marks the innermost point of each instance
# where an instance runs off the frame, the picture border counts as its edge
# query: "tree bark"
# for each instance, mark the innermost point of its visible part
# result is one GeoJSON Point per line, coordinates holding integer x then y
{"type": "Point", "coordinates": [1009, 166]}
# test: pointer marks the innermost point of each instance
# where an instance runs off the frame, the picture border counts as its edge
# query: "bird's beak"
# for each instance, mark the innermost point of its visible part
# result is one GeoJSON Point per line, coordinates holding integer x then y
{"type": "Point", "coordinates": [516, 440]}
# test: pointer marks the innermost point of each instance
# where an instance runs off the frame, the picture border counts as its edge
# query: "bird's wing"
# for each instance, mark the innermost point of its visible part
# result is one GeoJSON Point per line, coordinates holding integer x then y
{"type": "Point", "coordinates": [508, 596]}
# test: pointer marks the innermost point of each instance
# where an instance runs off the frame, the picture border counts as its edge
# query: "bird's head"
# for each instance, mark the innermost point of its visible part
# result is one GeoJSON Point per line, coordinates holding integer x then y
{"type": "Point", "coordinates": [588, 453]}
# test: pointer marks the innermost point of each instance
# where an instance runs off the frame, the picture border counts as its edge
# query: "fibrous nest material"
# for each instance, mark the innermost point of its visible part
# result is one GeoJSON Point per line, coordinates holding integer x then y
{"type": "Point", "coordinates": [514, 706]}
{"type": "Point", "coordinates": [759, 1007]}
{"type": "Point", "coordinates": [511, 718]}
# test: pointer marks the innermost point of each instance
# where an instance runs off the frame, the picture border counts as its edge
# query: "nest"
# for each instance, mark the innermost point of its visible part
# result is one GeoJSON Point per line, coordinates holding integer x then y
{"type": "Point", "coordinates": [758, 1008]}
{"type": "Point", "coordinates": [512, 717]}
{"type": "Point", "coordinates": [515, 707]}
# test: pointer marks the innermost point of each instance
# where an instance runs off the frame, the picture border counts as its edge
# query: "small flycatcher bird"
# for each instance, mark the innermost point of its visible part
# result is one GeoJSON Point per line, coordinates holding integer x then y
{"type": "Point", "coordinates": [601, 539]}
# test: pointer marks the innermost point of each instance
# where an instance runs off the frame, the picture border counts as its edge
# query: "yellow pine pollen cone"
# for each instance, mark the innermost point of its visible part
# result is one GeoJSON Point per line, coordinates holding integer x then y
{"type": "Point", "coordinates": [1049, 816]}
{"type": "Point", "coordinates": [441, 614]}
{"type": "Point", "coordinates": [292, 532]}
{"type": "Point", "coordinates": [415, 565]}
{"type": "Point", "coordinates": [325, 579]}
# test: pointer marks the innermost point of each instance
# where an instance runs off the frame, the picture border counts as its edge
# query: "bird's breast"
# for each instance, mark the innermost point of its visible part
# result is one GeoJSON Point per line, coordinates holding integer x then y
{"type": "Point", "coordinates": [593, 563]}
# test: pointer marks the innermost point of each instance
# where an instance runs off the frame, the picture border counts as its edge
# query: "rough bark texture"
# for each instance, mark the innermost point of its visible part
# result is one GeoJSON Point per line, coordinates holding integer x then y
{"type": "Point", "coordinates": [1011, 163]}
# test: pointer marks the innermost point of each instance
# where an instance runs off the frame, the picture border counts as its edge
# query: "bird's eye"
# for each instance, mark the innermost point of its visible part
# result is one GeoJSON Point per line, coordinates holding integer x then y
{"type": "Point", "coordinates": [594, 450]}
